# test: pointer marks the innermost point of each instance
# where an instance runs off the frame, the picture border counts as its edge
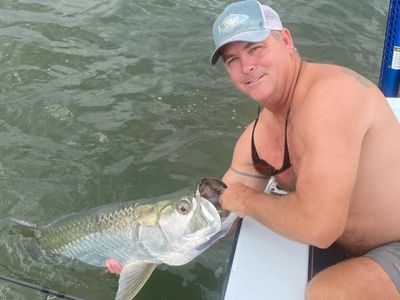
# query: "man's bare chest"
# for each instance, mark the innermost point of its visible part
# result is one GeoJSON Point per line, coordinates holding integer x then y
{"type": "Point", "coordinates": [287, 180]}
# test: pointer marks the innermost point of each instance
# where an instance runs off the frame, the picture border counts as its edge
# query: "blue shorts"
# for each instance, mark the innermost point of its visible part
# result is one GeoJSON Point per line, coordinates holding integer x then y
{"type": "Point", "coordinates": [388, 256]}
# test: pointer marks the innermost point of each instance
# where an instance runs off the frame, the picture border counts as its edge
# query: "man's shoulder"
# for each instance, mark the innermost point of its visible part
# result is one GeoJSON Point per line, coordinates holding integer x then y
{"type": "Point", "coordinates": [335, 94]}
{"type": "Point", "coordinates": [321, 78]}
{"type": "Point", "coordinates": [330, 85]}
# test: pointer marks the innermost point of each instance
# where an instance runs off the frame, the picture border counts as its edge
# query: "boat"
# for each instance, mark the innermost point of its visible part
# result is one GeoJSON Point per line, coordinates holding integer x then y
{"type": "Point", "coordinates": [265, 265]}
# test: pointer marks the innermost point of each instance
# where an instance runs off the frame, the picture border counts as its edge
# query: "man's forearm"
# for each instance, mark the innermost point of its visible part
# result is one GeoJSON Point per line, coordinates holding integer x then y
{"type": "Point", "coordinates": [289, 216]}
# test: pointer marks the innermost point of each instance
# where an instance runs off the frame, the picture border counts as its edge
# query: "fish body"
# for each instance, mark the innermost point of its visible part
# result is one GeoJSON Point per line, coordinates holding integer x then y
{"type": "Point", "coordinates": [140, 234]}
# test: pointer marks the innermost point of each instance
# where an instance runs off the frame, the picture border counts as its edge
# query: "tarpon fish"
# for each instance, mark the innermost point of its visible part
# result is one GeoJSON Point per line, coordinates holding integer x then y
{"type": "Point", "coordinates": [140, 234]}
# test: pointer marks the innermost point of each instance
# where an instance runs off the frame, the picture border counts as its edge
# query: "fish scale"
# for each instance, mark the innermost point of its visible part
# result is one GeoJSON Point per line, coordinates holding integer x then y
{"type": "Point", "coordinates": [57, 236]}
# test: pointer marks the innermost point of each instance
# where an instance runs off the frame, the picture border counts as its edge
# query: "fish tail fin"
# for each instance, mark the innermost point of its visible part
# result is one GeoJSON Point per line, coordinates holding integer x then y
{"type": "Point", "coordinates": [32, 228]}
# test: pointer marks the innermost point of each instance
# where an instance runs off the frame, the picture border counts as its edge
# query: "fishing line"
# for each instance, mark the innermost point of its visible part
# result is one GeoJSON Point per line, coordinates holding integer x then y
{"type": "Point", "coordinates": [38, 288]}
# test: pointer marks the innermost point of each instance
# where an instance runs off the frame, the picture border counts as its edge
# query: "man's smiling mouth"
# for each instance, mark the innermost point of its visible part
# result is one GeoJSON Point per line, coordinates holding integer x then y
{"type": "Point", "coordinates": [254, 80]}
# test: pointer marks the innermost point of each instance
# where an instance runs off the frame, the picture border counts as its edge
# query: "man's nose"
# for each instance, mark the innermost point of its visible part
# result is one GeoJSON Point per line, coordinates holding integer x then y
{"type": "Point", "coordinates": [248, 66]}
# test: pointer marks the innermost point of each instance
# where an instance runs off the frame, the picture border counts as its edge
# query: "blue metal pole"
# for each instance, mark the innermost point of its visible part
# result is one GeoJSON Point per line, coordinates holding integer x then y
{"type": "Point", "coordinates": [390, 68]}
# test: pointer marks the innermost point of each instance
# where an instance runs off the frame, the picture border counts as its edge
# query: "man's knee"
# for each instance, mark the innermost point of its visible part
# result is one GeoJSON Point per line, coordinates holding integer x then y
{"type": "Point", "coordinates": [323, 287]}
{"type": "Point", "coordinates": [356, 278]}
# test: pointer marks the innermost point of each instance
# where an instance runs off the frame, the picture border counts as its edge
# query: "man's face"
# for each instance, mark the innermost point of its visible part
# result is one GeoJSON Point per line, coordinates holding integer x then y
{"type": "Point", "coordinates": [256, 69]}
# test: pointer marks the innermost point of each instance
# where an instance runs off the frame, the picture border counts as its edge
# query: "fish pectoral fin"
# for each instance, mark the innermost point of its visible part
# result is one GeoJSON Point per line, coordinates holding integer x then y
{"type": "Point", "coordinates": [132, 278]}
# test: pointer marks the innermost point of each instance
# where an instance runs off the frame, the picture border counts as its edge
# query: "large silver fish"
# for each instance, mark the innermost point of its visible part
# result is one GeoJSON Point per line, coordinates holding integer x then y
{"type": "Point", "coordinates": [140, 234]}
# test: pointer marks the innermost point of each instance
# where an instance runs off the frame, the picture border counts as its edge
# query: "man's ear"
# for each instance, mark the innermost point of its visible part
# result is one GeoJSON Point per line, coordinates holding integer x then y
{"type": "Point", "coordinates": [287, 39]}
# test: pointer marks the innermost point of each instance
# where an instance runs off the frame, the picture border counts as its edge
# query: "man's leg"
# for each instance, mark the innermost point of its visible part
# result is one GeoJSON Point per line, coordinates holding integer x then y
{"type": "Point", "coordinates": [358, 278]}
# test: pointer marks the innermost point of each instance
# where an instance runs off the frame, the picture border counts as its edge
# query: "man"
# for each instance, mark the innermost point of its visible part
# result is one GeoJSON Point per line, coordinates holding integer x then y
{"type": "Point", "coordinates": [330, 139]}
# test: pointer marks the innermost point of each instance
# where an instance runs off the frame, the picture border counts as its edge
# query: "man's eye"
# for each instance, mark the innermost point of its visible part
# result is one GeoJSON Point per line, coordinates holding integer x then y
{"type": "Point", "coordinates": [253, 49]}
{"type": "Point", "coordinates": [231, 60]}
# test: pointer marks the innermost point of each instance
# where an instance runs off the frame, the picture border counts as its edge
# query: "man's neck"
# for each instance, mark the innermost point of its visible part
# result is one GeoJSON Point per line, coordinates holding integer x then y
{"type": "Point", "coordinates": [287, 98]}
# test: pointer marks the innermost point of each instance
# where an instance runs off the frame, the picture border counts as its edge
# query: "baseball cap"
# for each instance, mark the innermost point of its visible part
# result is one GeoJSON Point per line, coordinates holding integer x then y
{"type": "Point", "coordinates": [245, 21]}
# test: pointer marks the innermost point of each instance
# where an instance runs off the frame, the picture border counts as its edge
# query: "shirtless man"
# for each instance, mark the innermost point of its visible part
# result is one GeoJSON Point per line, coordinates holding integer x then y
{"type": "Point", "coordinates": [330, 139]}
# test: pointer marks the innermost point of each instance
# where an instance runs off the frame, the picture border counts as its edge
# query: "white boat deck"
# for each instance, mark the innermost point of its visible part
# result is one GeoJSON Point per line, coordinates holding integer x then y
{"type": "Point", "coordinates": [268, 266]}
{"type": "Point", "coordinates": [395, 105]}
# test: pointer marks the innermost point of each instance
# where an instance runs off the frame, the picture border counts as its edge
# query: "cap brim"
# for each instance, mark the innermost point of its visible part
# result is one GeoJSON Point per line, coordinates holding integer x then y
{"type": "Point", "coordinates": [250, 36]}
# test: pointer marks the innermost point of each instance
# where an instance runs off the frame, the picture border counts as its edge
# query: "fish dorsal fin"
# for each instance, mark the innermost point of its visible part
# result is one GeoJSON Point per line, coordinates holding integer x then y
{"type": "Point", "coordinates": [132, 278]}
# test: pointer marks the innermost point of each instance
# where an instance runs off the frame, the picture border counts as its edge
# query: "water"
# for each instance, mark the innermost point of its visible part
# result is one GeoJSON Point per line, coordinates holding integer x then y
{"type": "Point", "coordinates": [106, 101]}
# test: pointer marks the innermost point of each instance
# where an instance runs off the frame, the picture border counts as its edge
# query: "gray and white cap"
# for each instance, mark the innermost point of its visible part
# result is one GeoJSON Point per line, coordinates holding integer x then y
{"type": "Point", "coordinates": [245, 21]}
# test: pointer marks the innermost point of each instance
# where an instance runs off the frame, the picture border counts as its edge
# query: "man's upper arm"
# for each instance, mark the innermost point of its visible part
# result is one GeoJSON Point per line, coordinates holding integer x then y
{"type": "Point", "coordinates": [331, 140]}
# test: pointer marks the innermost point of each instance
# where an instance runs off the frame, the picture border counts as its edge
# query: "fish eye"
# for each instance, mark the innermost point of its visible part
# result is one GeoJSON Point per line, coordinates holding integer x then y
{"type": "Point", "coordinates": [183, 207]}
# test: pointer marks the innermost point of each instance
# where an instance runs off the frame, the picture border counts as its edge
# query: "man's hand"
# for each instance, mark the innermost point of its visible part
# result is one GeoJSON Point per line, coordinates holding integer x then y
{"type": "Point", "coordinates": [234, 198]}
{"type": "Point", "coordinates": [114, 266]}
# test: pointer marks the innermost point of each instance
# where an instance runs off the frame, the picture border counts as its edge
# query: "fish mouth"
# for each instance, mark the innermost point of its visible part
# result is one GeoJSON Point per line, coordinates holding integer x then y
{"type": "Point", "coordinates": [211, 189]}
{"type": "Point", "coordinates": [209, 212]}
{"type": "Point", "coordinates": [221, 220]}
{"type": "Point", "coordinates": [207, 195]}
